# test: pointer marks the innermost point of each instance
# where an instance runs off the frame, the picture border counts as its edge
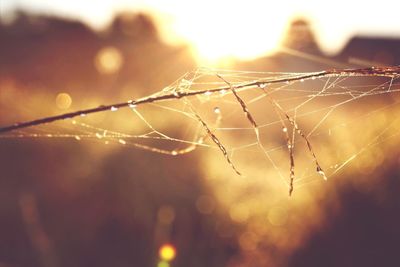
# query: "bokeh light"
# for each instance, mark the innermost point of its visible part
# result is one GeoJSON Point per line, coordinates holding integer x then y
{"type": "Point", "coordinates": [277, 216]}
{"type": "Point", "coordinates": [63, 101]}
{"type": "Point", "coordinates": [167, 252]}
{"type": "Point", "coordinates": [108, 60]}
{"type": "Point", "coordinates": [239, 212]}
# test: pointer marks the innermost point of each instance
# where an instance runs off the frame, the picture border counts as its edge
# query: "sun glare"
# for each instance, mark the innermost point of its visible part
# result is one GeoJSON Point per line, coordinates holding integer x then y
{"type": "Point", "coordinates": [223, 30]}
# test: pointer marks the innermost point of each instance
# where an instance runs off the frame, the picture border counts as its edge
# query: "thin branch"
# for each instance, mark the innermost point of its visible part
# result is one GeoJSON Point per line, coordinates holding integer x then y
{"type": "Point", "coordinates": [289, 143]}
{"type": "Point", "coordinates": [300, 132]}
{"type": "Point", "coordinates": [245, 109]}
{"type": "Point", "coordinates": [373, 71]}
{"type": "Point", "coordinates": [215, 139]}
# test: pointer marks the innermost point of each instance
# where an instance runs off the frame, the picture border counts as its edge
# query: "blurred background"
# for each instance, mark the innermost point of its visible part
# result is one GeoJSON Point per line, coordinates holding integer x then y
{"type": "Point", "coordinates": [65, 202]}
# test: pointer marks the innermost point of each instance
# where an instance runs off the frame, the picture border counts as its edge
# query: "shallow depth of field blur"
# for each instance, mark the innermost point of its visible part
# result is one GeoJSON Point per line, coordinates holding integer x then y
{"type": "Point", "coordinates": [70, 196]}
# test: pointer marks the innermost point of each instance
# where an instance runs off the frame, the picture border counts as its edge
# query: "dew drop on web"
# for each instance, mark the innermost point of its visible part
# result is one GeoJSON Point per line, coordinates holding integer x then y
{"type": "Point", "coordinates": [322, 173]}
{"type": "Point", "coordinates": [262, 85]}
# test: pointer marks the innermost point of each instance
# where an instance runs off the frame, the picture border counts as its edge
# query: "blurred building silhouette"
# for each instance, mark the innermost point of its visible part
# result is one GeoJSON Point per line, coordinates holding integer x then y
{"type": "Point", "coordinates": [372, 51]}
{"type": "Point", "coordinates": [58, 54]}
{"type": "Point", "coordinates": [300, 52]}
{"type": "Point", "coordinates": [300, 37]}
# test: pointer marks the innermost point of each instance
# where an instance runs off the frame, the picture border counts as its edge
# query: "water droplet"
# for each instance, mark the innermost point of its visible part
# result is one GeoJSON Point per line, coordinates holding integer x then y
{"type": "Point", "coordinates": [208, 93]}
{"type": "Point", "coordinates": [114, 109]}
{"type": "Point", "coordinates": [83, 114]}
{"type": "Point", "coordinates": [131, 104]}
{"type": "Point", "coordinates": [74, 121]}
{"type": "Point", "coordinates": [289, 146]}
{"type": "Point", "coordinates": [174, 152]}
{"type": "Point", "coordinates": [222, 92]}
{"type": "Point", "coordinates": [122, 141]}
{"type": "Point", "coordinates": [313, 78]}
{"type": "Point", "coordinates": [322, 173]}
{"type": "Point", "coordinates": [262, 85]}
{"type": "Point", "coordinates": [99, 135]}
{"type": "Point", "coordinates": [302, 80]}
{"type": "Point", "coordinates": [77, 137]}
{"type": "Point", "coordinates": [217, 110]}
{"type": "Point", "coordinates": [284, 129]}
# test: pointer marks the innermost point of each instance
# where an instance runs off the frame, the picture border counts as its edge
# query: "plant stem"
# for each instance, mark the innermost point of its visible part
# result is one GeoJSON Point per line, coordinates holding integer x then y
{"type": "Point", "coordinates": [373, 71]}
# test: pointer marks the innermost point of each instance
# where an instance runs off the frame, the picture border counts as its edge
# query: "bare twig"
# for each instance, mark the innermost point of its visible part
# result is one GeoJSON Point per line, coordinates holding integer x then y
{"type": "Point", "coordinates": [383, 72]}
{"type": "Point", "coordinates": [215, 139]}
{"type": "Point", "coordinates": [241, 102]}
{"type": "Point", "coordinates": [289, 143]}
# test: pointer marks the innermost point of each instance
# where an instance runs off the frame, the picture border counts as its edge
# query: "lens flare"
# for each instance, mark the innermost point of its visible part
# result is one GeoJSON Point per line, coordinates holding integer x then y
{"type": "Point", "coordinates": [108, 60]}
{"type": "Point", "coordinates": [63, 101]}
{"type": "Point", "coordinates": [167, 252]}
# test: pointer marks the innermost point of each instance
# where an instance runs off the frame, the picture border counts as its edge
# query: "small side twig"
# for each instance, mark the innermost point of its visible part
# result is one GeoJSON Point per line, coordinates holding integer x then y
{"type": "Point", "coordinates": [215, 139]}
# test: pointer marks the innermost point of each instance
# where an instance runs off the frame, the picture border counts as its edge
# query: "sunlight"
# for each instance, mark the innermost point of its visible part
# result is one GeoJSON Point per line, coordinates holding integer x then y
{"type": "Point", "coordinates": [221, 32]}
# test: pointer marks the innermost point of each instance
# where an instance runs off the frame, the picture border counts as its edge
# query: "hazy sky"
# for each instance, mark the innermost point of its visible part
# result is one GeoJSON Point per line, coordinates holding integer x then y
{"type": "Point", "coordinates": [240, 28]}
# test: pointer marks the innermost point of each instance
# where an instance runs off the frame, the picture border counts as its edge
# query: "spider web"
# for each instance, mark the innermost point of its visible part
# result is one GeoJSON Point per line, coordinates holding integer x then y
{"type": "Point", "coordinates": [305, 130]}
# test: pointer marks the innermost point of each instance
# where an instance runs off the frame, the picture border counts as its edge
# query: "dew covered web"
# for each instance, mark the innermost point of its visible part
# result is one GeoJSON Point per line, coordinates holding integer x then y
{"type": "Point", "coordinates": [306, 127]}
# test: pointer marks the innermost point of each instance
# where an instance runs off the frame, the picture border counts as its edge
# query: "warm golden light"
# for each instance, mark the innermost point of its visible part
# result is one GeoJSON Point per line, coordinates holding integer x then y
{"type": "Point", "coordinates": [222, 30]}
{"type": "Point", "coordinates": [167, 252]}
{"type": "Point", "coordinates": [239, 213]}
{"type": "Point", "coordinates": [277, 216]}
{"type": "Point", "coordinates": [163, 264]}
{"type": "Point", "coordinates": [108, 60]}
